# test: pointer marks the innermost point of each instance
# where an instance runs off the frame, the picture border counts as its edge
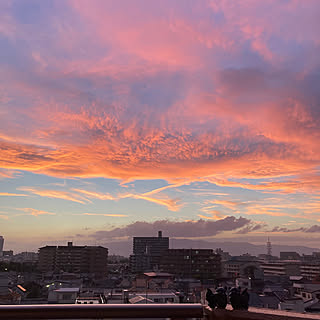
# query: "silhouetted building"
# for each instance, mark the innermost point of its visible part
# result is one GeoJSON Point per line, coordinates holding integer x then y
{"type": "Point", "coordinates": [1, 245]}
{"type": "Point", "coordinates": [7, 253]}
{"type": "Point", "coordinates": [281, 268]}
{"type": "Point", "coordinates": [312, 258]}
{"type": "Point", "coordinates": [77, 259]}
{"type": "Point", "coordinates": [310, 271]}
{"type": "Point", "coordinates": [147, 252]}
{"type": "Point", "coordinates": [289, 255]}
{"type": "Point", "coordinates": [269, 249]}
{"type": "Point", "coordinates": [29, 257]}
{"type": "Point", "coordinates": [245, 266]}
{"type": "Point", "coordinates": [203, 264]}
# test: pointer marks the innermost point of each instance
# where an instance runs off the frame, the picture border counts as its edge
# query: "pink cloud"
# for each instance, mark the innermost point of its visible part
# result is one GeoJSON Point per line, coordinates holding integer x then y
{"type": "Point", "coordinates": [170, 91]}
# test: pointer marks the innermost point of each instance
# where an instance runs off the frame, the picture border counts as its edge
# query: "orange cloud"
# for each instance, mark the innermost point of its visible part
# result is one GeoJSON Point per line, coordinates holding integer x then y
{"type": "Point", "coordinates": [215, 215]}
{"type": "Point", "coordinates": [95, 195]}
{"type": "Point", "coordinates": [159, 102]}
{"type": "Point", "coordinates": [56, 194]}
{"type": "Point", "coordinates": [7, 173]}
{"type": "Point", "coordinates": [104, 214]}
{"type": "Point", "coordinates": [226, 203]}
{"type": "Point", "coordinates": [35, 212]}
{"type": "Point", "coordinates": [171, 204]}
{"type": "Point", "coordinates": [304, 183]}
{"type": "Point", "coordinates": [7, 194]}
{"type": "Point", "coordinates": [171, 186]}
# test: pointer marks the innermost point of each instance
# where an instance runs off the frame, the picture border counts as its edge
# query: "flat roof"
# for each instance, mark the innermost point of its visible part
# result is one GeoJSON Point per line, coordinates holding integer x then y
{"type": "Point", "coordinates": [67, 290]}
{"type": "Point", "coordinates": [158, 274]}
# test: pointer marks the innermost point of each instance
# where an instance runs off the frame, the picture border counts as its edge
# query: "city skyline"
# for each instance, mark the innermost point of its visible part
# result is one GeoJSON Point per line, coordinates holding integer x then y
{"type": "Point", "coordinates": [200, 119]}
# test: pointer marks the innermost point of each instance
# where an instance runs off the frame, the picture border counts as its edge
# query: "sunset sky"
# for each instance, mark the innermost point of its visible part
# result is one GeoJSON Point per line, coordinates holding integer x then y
{"type": "Point", "coordinates": [197, 118]}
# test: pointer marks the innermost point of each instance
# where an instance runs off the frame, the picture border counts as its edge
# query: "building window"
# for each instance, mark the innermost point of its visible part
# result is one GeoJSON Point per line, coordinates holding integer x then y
{"type": "Point", "coordinates": [66, 296]}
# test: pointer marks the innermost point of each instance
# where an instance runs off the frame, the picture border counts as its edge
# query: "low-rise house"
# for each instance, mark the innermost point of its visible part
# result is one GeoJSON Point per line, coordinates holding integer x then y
{"type": "Point", "coordinates": [141, 297]}
{"type": "Point", "coordinates": [269, 301]}
{"type": "Point", "coordinates": [63, 295]}
{"type": "Point", "coordinates": [292, 304]}
{"type": "Point", "coordinates": [140, 300]}
{"type": "Point", "coordinates": [154, 280]}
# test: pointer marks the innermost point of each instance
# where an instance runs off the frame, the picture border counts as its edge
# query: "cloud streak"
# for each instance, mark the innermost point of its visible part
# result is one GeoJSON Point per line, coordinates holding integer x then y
{"type": "Point", "coordinates": [56, 194]}
{"type": "Point", "coordinates": [36, 212]}
{"type": "Point", "coordinates": [8, 194]}
{"type": "Point", "coordinates": [116, 215]}
{"type": "Point", "coordinates": [85, 196]}
{"type": "Point", "coordinates": [313, 229]}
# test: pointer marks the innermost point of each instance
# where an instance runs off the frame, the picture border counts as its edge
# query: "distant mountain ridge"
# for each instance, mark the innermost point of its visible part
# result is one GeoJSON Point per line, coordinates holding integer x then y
{"type": "Point", "coordinates": [124, 248]}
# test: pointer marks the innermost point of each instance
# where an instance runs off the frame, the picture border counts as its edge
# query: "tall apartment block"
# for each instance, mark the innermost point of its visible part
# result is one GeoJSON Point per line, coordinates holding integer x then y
{"type": "Point", "coordinates": [202, 264]}
{"type": "Point", "coordinates": [1, 245]}
{"type": "Point", "coordinates": [78, 259]}
{"type": "Point", "coordinates": [147, 252]}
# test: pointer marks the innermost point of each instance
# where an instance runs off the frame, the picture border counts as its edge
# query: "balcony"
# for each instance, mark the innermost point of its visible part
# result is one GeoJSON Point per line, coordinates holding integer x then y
{"type": "Point", "coordinates": [152, 311]}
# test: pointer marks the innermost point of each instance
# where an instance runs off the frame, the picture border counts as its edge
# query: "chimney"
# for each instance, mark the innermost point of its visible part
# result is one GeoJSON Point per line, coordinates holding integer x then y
{"type": "Point", "coordinates": [159, 234]}
{"type": "Point", "coordinates": [70, 244]}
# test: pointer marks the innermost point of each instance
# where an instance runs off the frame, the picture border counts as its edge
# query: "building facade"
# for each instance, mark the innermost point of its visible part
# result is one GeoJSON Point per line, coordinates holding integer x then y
{"type": "Point", "coordinates": [1, 245]}
{"type": "Point", "coordinates": [241, 268]}
{"type": "Point", "coordinates": [281, 268]}
{"type": "Point", "coordinates": [289, 255]}
{"type": "Point", "coordinates": [147, 252]}
{"type": "Point", "coordinates": [310, 271]}
{"type": "Point", "coordinates": [202, 264]}
{"type": "Point", "coordinates": [77, 259]}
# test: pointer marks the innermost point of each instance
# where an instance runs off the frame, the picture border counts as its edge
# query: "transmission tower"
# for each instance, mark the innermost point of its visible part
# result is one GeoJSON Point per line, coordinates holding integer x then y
{"type": "Point", "coordinates": [269, 248]}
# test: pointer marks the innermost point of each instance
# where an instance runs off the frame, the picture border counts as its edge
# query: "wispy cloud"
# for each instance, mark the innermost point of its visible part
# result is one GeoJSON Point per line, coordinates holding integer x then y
{"type": "Point", "coordinates": [56, 194]}
{"type": "Point", "coordinates": [171, 204]}
{"type": "Point", "coordinates": [170, 186]}
{"type": "Point", "coordinates": [8, 173]}
{"type": "Point", "coordinates": [311, 229]}
{"type": "Point", "coordinates": [116, 215]}
{"type": "Point", "coordinates": [251, 228]}
{"type": "Point", "coordinates": [95, 195]}
{"type": "Point", "coordinates": [214, 215]}
{"type": "Point", "coordinates": [83, 196]}
{"type": "Point", "coordinates": [35, 212]}
{"type": "Point", "coordinates": [8, 194]}
{"type": "Point", "coordinates": [226, 203]}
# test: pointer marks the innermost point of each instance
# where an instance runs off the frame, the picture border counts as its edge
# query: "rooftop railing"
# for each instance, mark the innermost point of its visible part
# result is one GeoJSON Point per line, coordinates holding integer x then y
{"type": "Point", "coordinates": [102, 311]}
{"type": "Point", "coordinates": [127, 311]}
{"type": "Point", "coordinates": [256, 314]}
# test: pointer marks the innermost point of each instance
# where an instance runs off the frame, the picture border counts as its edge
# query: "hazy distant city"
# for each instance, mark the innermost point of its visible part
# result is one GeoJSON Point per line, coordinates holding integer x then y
{"type": "Point", "coordinates": [157, 273]}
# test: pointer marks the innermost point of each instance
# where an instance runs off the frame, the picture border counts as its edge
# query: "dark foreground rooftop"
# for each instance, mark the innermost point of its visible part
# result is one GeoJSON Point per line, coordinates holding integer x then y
{"type": "Point", "coordinates": [116, 311]}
